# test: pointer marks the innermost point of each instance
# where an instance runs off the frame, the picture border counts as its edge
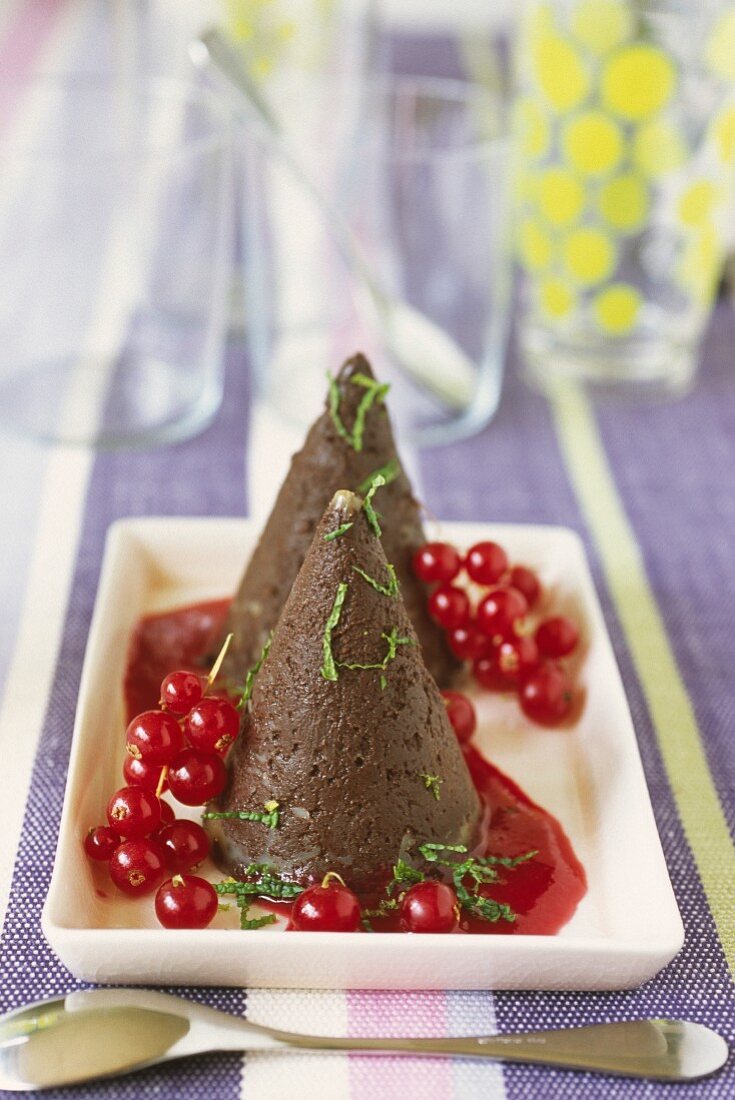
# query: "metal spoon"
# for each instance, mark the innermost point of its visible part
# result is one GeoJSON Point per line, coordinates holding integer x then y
{"type": "Point", "coordinates": [105, 1032]}
{"type": "Point", "coordinates": [419, 346]}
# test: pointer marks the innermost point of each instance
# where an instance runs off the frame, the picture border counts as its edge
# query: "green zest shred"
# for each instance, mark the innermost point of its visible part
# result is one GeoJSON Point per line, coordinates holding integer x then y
{"type": "Point", "coordinates": [374, 391]}
{"type": "Point", "coordinates": [247, 691]}
{"type": "Point", "coordinates": [389, 472]}
{"type": "Point", "coordinates": [270, 817]}
{"type": "Point", "coordinates": [329, 667]}
{"type": "Point", "coordinates": [367, 504]}
{"type": "Point", "coordinates": [390, 589]}
{"type": "Point", "coordinates": [261, 881]}
{"type": "Point", "coordinates": [432, 783]}
{"type": "Point", "coordinates": [338, 532]}
{"type": "Point", "coordinates": [393, 643]}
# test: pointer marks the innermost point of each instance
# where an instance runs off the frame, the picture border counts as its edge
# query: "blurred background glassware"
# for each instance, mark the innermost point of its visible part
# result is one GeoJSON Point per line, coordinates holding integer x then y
{"type": "Point", "coordinates": [116, 231]}
{"type": "Point", "coordinates": [428, 151]}
{"type": "Point", "coordinates": [624, 187]}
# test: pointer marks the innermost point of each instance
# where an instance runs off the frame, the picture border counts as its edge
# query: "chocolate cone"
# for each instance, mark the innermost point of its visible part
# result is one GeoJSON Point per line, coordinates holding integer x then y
{"type": "Point", "coordinates": [362, 761]}
{"type": "Point", "coordinates": [326, 463]}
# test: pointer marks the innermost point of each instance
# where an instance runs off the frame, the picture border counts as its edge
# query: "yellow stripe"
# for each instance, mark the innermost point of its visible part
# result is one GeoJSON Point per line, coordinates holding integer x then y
{"type": "Point", "coordinates": [671, 711]}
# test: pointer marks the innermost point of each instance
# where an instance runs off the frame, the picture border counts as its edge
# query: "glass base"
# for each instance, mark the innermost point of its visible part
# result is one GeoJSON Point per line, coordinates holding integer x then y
{"type": "Point", "coordinates": [627, 370]}
{"type": "Point", "coordinates": [130, 402]}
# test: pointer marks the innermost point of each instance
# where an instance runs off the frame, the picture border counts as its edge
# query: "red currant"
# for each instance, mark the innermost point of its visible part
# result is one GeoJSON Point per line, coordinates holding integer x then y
{"type": "Point", "coordinates": [328, 907]}
{"type": "Point", "coordinates": [134, 812]}
{"type": "Point", "coordinates": [137, 867]}
{"type": "Point", "coordinates": [212, 725]}
{"type": "Point", "coordinates": [101, 842]}
{"type": "Point", "coordinates": [488, 675]}
{"type": "Point", "coordinates": [516, 657]}
{"type": "Point", "coordinates": [527, 583]}
{"type": "Point", "coordinates": [546, 695]}
{"type": "Point", "coordinates": [436, 561]}
{"type": "Point", "coordinates": [486, 562]}
{"type": "Point", "coordinates": [461, 714]}
{"type": "Point", "coordinates": [167, 814]}
{"type": "Point", "coordinates": [186, 845]}
{"type": "Point", "coordinates": [195, 777]}
{"type": "Point", "coordinates": [557, 637]}
{"type": "Point", "coordinates": [430, 907]}
{"type": "Point", "coordinates": [467, 643]}
{"type": "Point", "coordinates": [500, 611]}
{"type": "Point", "coordinates": [186, 901]}
{"type": "Point", "coordinates": [154, 737]}
{"type": "Point", "coordinates": [449, 606]}
{"type": "Point", "coordinates": [140, 773]}
{"type": "Point", "coordinates": [180, 691]}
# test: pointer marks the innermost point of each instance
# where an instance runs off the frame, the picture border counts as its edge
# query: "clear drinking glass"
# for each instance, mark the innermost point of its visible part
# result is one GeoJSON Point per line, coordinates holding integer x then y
{"type": "Point", "coordinates": [422, 198]}
{"type": "Point", "coordinates": [116, 230]}
{"type": "Point", "coordinates": [625, 137]}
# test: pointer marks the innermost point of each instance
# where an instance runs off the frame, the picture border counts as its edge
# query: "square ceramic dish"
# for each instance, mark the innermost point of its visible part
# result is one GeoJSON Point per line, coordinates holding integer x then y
{"type": "Point", "coordinates": [590, 777]}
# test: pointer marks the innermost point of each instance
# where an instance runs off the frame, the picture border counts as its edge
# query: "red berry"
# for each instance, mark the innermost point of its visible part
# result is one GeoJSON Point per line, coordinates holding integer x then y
{"type": "Point", "coordinates": [154, 737]}
{"type": "Point", "coordinates": [167, 814]}
{"type": "Point", "coordinates": [195, 777]}
{"type": "Point", "coordinates": [137, 866]}
{"type": "Point", "coordinates": [328, 907]}
{"type": "Point", "coordinates": [180, 691]}
{"type": "Point", "coordinates": [467, 643]}
{"type": "Point", "coordinates": [101, 842]}
{"type": "Point", "coordinates": [186, 901]}
{"type": "Point", "coordinates": [134, 812]}
{"type": "Point", "coordinates": [486, 562]}
{"type": "Point", "coordinates": [500, 611]}
{"type": "Point", "coordinates": [546, 695]}
{"type": "Point", "coordinates": [430, 907]}
{"type": "Point", "coordinates": [186, 845]}
{"type": "Point", "coordinates": [516, 657]}
{"type": "Point", "coordinates": [527, 583]}
{"type": "Point", "coordinates": [436, 561]}
{"type": "Point", "coordinates": [461, 714]}
{"type": "Point", "coordinates": [140, 773]}
{"type": "Point", "coordinates": [212, 725]}
{"type": "Point", "coordinates": [488, 675]}
{"type": "Point", "coordinates": [557, 637]}
{"type": "Point", "coordinates": [449, 606]}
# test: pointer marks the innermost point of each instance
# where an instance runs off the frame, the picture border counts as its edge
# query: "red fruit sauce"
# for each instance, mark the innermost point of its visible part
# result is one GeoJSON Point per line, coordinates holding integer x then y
{"type": "Point", "coordinates": [543, 892]}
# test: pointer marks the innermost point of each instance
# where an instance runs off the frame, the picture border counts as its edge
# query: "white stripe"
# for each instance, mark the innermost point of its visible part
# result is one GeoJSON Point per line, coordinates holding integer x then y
{"type": "Point", "coordinates": [283, 1076]}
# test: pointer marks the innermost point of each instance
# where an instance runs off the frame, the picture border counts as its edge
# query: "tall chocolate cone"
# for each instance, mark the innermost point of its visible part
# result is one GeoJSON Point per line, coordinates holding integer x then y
{"type": "Point", "coordinates": [326, 463]}
{"type": "Point", "coordinates": [345, 730]}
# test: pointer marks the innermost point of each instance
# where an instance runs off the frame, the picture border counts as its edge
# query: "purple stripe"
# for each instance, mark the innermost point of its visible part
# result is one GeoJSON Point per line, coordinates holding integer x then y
{"type": "Point", "coordinates": [521, 478]}
{"type": "Point", "coordinates": [202, 477]}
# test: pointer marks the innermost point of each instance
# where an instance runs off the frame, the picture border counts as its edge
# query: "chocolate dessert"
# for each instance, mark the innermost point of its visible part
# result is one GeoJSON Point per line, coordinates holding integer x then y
{"type": "Point", "coordinates": [346, 446]}
{"type": "Point", "coordinates": [345, 728]}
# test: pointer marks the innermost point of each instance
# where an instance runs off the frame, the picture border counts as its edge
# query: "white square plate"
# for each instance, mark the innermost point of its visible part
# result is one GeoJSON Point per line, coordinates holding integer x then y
{"type": "Point", "coordinates": [625, 930]}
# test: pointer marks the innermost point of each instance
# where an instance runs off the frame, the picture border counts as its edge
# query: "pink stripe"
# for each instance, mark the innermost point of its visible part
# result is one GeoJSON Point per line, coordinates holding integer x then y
{"type": "Point", "coordinates": [24, 42]}
{"type": "Point", "coordinates": [396, 1013]}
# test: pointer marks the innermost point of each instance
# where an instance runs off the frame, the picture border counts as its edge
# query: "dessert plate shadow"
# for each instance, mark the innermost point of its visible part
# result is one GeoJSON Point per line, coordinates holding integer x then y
{"type": "Point", "coordinates": [590, 777]}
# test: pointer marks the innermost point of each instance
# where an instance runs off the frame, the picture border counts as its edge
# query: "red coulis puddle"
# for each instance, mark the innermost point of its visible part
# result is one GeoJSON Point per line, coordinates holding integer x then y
{"type": "Point", "coordinates": [543, 892]}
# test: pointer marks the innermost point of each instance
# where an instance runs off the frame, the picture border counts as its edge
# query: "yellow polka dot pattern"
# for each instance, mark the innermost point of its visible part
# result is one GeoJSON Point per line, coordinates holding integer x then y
{"type": "Point", "coordinates": [598, 128]}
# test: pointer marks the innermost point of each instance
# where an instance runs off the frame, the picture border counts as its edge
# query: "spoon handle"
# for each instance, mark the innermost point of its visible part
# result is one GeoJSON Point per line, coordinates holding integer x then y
{"type": "Point", "coordinates": [670, 1050]}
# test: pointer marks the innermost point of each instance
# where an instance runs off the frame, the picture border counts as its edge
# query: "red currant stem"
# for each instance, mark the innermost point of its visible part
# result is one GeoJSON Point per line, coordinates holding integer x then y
{"type": "Point", "coordinates": [217, 664]}
{"type": "Point", "coordinates": [332, 875]}
{"type": "Point", "coordinates": [177, 880]}
{"type": "Point", "coordinates": [161, 780]}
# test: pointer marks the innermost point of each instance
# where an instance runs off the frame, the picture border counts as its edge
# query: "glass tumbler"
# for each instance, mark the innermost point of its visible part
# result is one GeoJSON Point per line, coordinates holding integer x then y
{"type": "Point", "coordinates": [116, 230]}
{"type": "Point", "coordinates": [413, 263]}
{"type": "Point", "coordinates": [625, 161]}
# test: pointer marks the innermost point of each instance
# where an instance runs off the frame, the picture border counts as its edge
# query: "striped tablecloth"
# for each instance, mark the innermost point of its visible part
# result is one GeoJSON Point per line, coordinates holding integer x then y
{"type": "Point", "coordinates": [651, 491]}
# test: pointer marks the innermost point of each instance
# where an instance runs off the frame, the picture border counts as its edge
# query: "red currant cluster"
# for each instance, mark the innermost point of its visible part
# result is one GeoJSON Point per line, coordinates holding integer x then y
{"type": "Point", "coordinates": [495, 634]}
{"type": "Point", "coordinates": [180, 748]}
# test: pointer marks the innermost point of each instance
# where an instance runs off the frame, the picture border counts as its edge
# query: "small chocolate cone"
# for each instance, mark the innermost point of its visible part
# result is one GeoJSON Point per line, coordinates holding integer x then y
{"type": "Point", "coordinates": [325, 463]}
{"type": "Point", "coordinates": [362, 761]}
